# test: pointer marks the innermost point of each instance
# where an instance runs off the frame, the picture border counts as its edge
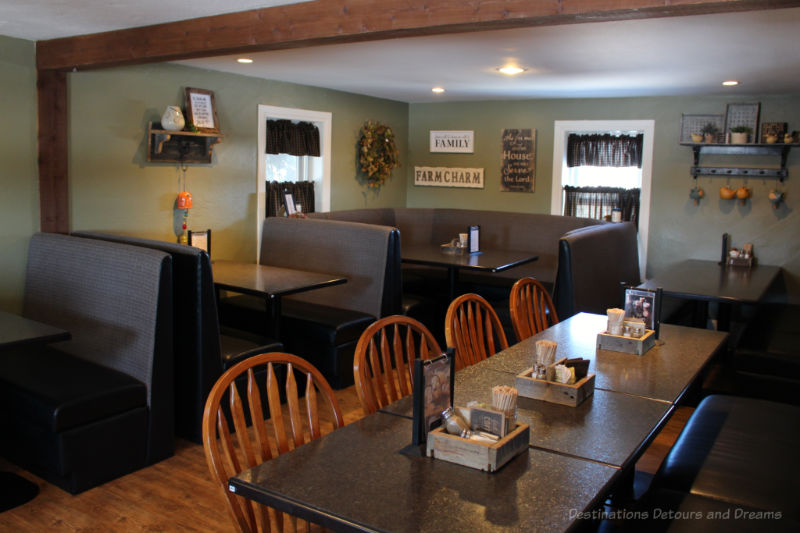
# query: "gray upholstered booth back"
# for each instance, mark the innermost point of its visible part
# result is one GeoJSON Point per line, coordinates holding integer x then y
{"type": "Point", "coordinates": [356, 251]}
{"type": "Point", "coordinates": [528, 232]}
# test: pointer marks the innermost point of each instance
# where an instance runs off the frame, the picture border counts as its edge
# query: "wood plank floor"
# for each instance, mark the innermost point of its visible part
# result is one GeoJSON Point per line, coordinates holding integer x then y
{"type": "Point", "coordinates": [177, 494]}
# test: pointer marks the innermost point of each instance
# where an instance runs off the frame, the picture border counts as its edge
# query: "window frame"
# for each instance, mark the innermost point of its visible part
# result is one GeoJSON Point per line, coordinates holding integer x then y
{"type": "Point", "coordinates": [561, 130]}
{"type": "Point", "coordinates": [324, 121]}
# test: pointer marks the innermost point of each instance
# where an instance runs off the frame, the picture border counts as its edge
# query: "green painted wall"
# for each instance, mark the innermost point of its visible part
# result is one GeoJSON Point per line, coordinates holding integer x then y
{"type": "Point", "coordinates": [678, 228]}
{"type": "Point", "coordinates": [19, 186]}
{"type": "Point", "coordinates": [113, 187]}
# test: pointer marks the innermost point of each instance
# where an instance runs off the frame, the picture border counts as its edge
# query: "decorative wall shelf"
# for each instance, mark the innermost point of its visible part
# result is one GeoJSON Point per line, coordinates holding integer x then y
{"type": "Point", "coordinates": [781, 150]}
{"type": "Point", "coordinates": [164, 146]}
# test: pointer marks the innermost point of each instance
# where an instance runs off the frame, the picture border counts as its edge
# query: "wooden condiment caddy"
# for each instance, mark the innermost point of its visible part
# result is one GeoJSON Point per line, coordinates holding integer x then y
{"type": "Point", "coordinates": [620, 343]}
{"type": "Point", "coordinates": [477, 454]}
{"type": "Point", "coordinates": [554, 392]}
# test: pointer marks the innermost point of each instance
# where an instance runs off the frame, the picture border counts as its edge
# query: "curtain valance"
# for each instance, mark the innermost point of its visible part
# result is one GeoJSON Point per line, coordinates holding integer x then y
{"type": "Point", "coordinates": [604, 150]}
{"type": "Point", "coordinates": [293, 138]}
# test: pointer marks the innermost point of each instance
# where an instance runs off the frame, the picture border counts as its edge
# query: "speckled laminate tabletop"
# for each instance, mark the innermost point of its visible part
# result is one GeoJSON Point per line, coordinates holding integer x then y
{"type": "Point", "coordinates": [609, 427]}
{"type": "Point", "coordinates": [356, 479]}
{"type": "Point", "coordinates": [662, 373]}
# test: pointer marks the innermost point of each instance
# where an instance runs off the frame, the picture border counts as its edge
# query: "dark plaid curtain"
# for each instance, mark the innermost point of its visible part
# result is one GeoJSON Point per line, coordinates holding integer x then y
{"type": "Point", "coordinates": [303, 194]}
{"type": "Point", "coordinates": [597, 202]}
{"type": "Point", "coordinates": [293, 138]}
{"type": "Point", "coordinates": [604, 150]}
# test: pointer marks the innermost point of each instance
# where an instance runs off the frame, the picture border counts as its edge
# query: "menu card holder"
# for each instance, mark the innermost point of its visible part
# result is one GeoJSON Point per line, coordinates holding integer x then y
{"type": "Point", "coordinates": [433, 384]}
{"type": "Point", "coordinates": [474, 239]}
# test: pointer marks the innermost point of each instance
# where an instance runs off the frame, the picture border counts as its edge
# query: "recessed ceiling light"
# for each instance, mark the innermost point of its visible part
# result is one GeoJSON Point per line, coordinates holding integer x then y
{"type": "Point", "coordinates": [245, 60]}
{"type": "Point", "coordinates": [730, 83]}
{"type": "Point", "coordinates": [511, 70]}
{"type": "Point", "coordinates": [438, 90]}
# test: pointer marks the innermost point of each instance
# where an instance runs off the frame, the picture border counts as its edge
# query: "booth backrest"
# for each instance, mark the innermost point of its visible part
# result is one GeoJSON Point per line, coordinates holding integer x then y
{"type": "Point", "coordinates": [116, 302]}
{"type": "Point", "coordinates": [198, 360]}
{"type": "Point", "coordinates": [527, 232]}
{"type": "Point", "coordinates": [367, 254]}
{"type": "Point", "coordinates": [593, 263]}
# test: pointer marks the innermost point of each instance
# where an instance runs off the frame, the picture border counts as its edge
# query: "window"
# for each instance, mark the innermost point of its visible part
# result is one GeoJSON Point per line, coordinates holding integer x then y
{"type": "Point", "coordinates": [314, 170]}
{"type": "Point", "coordinates": [603, 174]}
{"type": "Point", "coordinates": [562, 129]}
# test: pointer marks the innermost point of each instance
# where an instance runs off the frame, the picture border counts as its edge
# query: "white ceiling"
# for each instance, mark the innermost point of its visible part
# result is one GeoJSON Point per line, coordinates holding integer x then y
{"type": "Point", "coordinates": [667, 56]}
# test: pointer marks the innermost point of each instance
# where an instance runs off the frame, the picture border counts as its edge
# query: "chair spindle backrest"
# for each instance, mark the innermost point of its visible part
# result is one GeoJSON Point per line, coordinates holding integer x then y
{"type": "Point", "coordinates": [473, 328]}
{"type": "Point", "coordinates": [255, 437]}
{"type": "Point", "coordinates": [531, 308]}
{"type": "Point", "coordinates": [384, 359]}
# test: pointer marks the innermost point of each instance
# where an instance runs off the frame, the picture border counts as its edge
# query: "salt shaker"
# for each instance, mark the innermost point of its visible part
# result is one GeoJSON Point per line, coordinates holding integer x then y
{"type": "Point", "coordinates": [454, 424]}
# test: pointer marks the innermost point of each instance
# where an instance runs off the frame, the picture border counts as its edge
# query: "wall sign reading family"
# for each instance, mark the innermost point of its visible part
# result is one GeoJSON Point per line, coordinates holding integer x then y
{"type": "Point", "coordinates": [462, 142]}
{"type": "Point", "coordinates": [469, 178]}
{"type": "Point", "coordinates": [518, 172]}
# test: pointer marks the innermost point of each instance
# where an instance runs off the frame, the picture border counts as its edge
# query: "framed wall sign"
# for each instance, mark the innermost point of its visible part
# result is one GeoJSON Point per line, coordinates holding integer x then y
{"type": "Point", "coordinates": [461, 142]}
{"type": "Point", "coordinates": [201, 110]}
{"type": "Point", "coordinates": [518, 171]}
{"type": "Point", "coordinates": [465, 178]}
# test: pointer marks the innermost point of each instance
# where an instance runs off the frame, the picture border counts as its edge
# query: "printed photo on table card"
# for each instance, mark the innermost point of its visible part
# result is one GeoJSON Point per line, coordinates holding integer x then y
{"type": "Point", "coordinates": [432, 394]}
{"type": "Point", "coordinates": [641, 304]}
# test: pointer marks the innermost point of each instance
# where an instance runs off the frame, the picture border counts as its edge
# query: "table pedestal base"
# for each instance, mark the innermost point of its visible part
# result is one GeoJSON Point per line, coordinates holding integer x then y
{"type": "Point", "coordinates": [15, 490]}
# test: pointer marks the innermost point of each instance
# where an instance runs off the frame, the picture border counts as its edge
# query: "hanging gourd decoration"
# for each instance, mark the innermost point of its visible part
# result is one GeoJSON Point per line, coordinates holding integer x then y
{"type": "Point", "coordinates": [378, 154]}
{"type": "Point", "coordinates": [776, 197]}
{"type": "Point", "coordinates": [184, 202]}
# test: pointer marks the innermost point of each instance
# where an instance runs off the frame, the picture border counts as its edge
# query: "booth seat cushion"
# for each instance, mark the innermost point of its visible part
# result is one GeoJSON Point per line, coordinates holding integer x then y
{"type": "Point", "coordinates": [237, 345]}
{"type": "Point", "coordinates": [675, 512]}
{"type": "Point", "coordinates": [771, 343]}
{"type": "Point", "coordinates": [322, 323]}
{"type": "Point", "coordinates": [741, 451]}
{"type": "Point", "coordinates": [56, 391]}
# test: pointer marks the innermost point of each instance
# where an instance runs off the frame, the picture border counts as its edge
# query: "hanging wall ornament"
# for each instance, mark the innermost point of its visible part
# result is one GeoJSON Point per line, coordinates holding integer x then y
{"type": "Point", "coordinates": [184, 202]}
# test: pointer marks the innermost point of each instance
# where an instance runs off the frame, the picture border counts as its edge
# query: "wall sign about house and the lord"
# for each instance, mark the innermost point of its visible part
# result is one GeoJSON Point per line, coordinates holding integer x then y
{"type": "Point", "coordinates": [467, 178]}
{"type": "Point", "coordinates": [518, 171]}
{"type": "Point", "coordinates": [460, 142]}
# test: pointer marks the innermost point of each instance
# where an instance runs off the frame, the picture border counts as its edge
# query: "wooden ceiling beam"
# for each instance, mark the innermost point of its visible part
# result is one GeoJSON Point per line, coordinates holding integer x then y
{"type": "Point", "coordinates": [342, 21]}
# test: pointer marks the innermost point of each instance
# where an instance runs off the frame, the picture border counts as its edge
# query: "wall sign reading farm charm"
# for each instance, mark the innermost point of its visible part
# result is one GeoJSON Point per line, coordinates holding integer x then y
{"type": "Point", "coordinates": [468, 178]}
{"type": "Point", "coordinates": [518, 172]}
{"type": "Point", "coordinates": [462, 142]}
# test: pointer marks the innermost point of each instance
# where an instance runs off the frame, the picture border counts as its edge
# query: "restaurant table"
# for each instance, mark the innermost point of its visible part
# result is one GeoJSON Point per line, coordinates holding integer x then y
{"type": "Point", "coordinates": [608, 427]}
{"type": "Point", "coordinates": [708, 281]}
{"type": "Point", "coordinates": [269, 282]}
{"type": "Point", "coordinates": [16, 332]}
{"type": "Point", "coordinates": [357, 479]}
{"type": "Point", "coordinates": [483, 261]}
{"type": "Point", "coordinates": [664, 372]}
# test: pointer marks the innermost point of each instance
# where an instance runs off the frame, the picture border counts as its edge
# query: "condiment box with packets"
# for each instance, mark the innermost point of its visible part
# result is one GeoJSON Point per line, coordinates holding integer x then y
{"type": "Point", "coordinates": [624, 334]}
{"type": "Point", "coordinates": [578, 383]}
{"type": "Point", "coordinates": [490, 440]}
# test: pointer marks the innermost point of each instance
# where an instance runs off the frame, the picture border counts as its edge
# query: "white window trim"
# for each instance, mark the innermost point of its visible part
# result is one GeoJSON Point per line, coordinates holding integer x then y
{"type": "Point", "coordinates": [564, 127]}
{"type": "Point", "coordinates": [324, 120]}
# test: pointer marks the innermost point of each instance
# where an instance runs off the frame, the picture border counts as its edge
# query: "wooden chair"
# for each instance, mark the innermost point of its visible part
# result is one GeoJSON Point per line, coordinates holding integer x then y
{"type": "Point", "coordinates": [531, 307]}
{"type": "Point", "coordinates": [230, 451]}
{"type": "Point", "coordinates": [384, 359]}
{"type": "Point", "coordinates": [472, 327]}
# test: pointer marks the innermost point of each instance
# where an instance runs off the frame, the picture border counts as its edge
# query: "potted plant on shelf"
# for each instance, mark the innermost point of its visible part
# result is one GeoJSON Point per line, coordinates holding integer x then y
{"type": "Point", "coordinates": [710, 132]}
{"type": "Point", "coordinates": [739, 134]}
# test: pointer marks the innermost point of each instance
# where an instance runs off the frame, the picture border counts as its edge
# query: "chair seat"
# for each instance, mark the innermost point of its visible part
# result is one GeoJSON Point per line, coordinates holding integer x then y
{"type": "Point", "coordinates": [57, 391]}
